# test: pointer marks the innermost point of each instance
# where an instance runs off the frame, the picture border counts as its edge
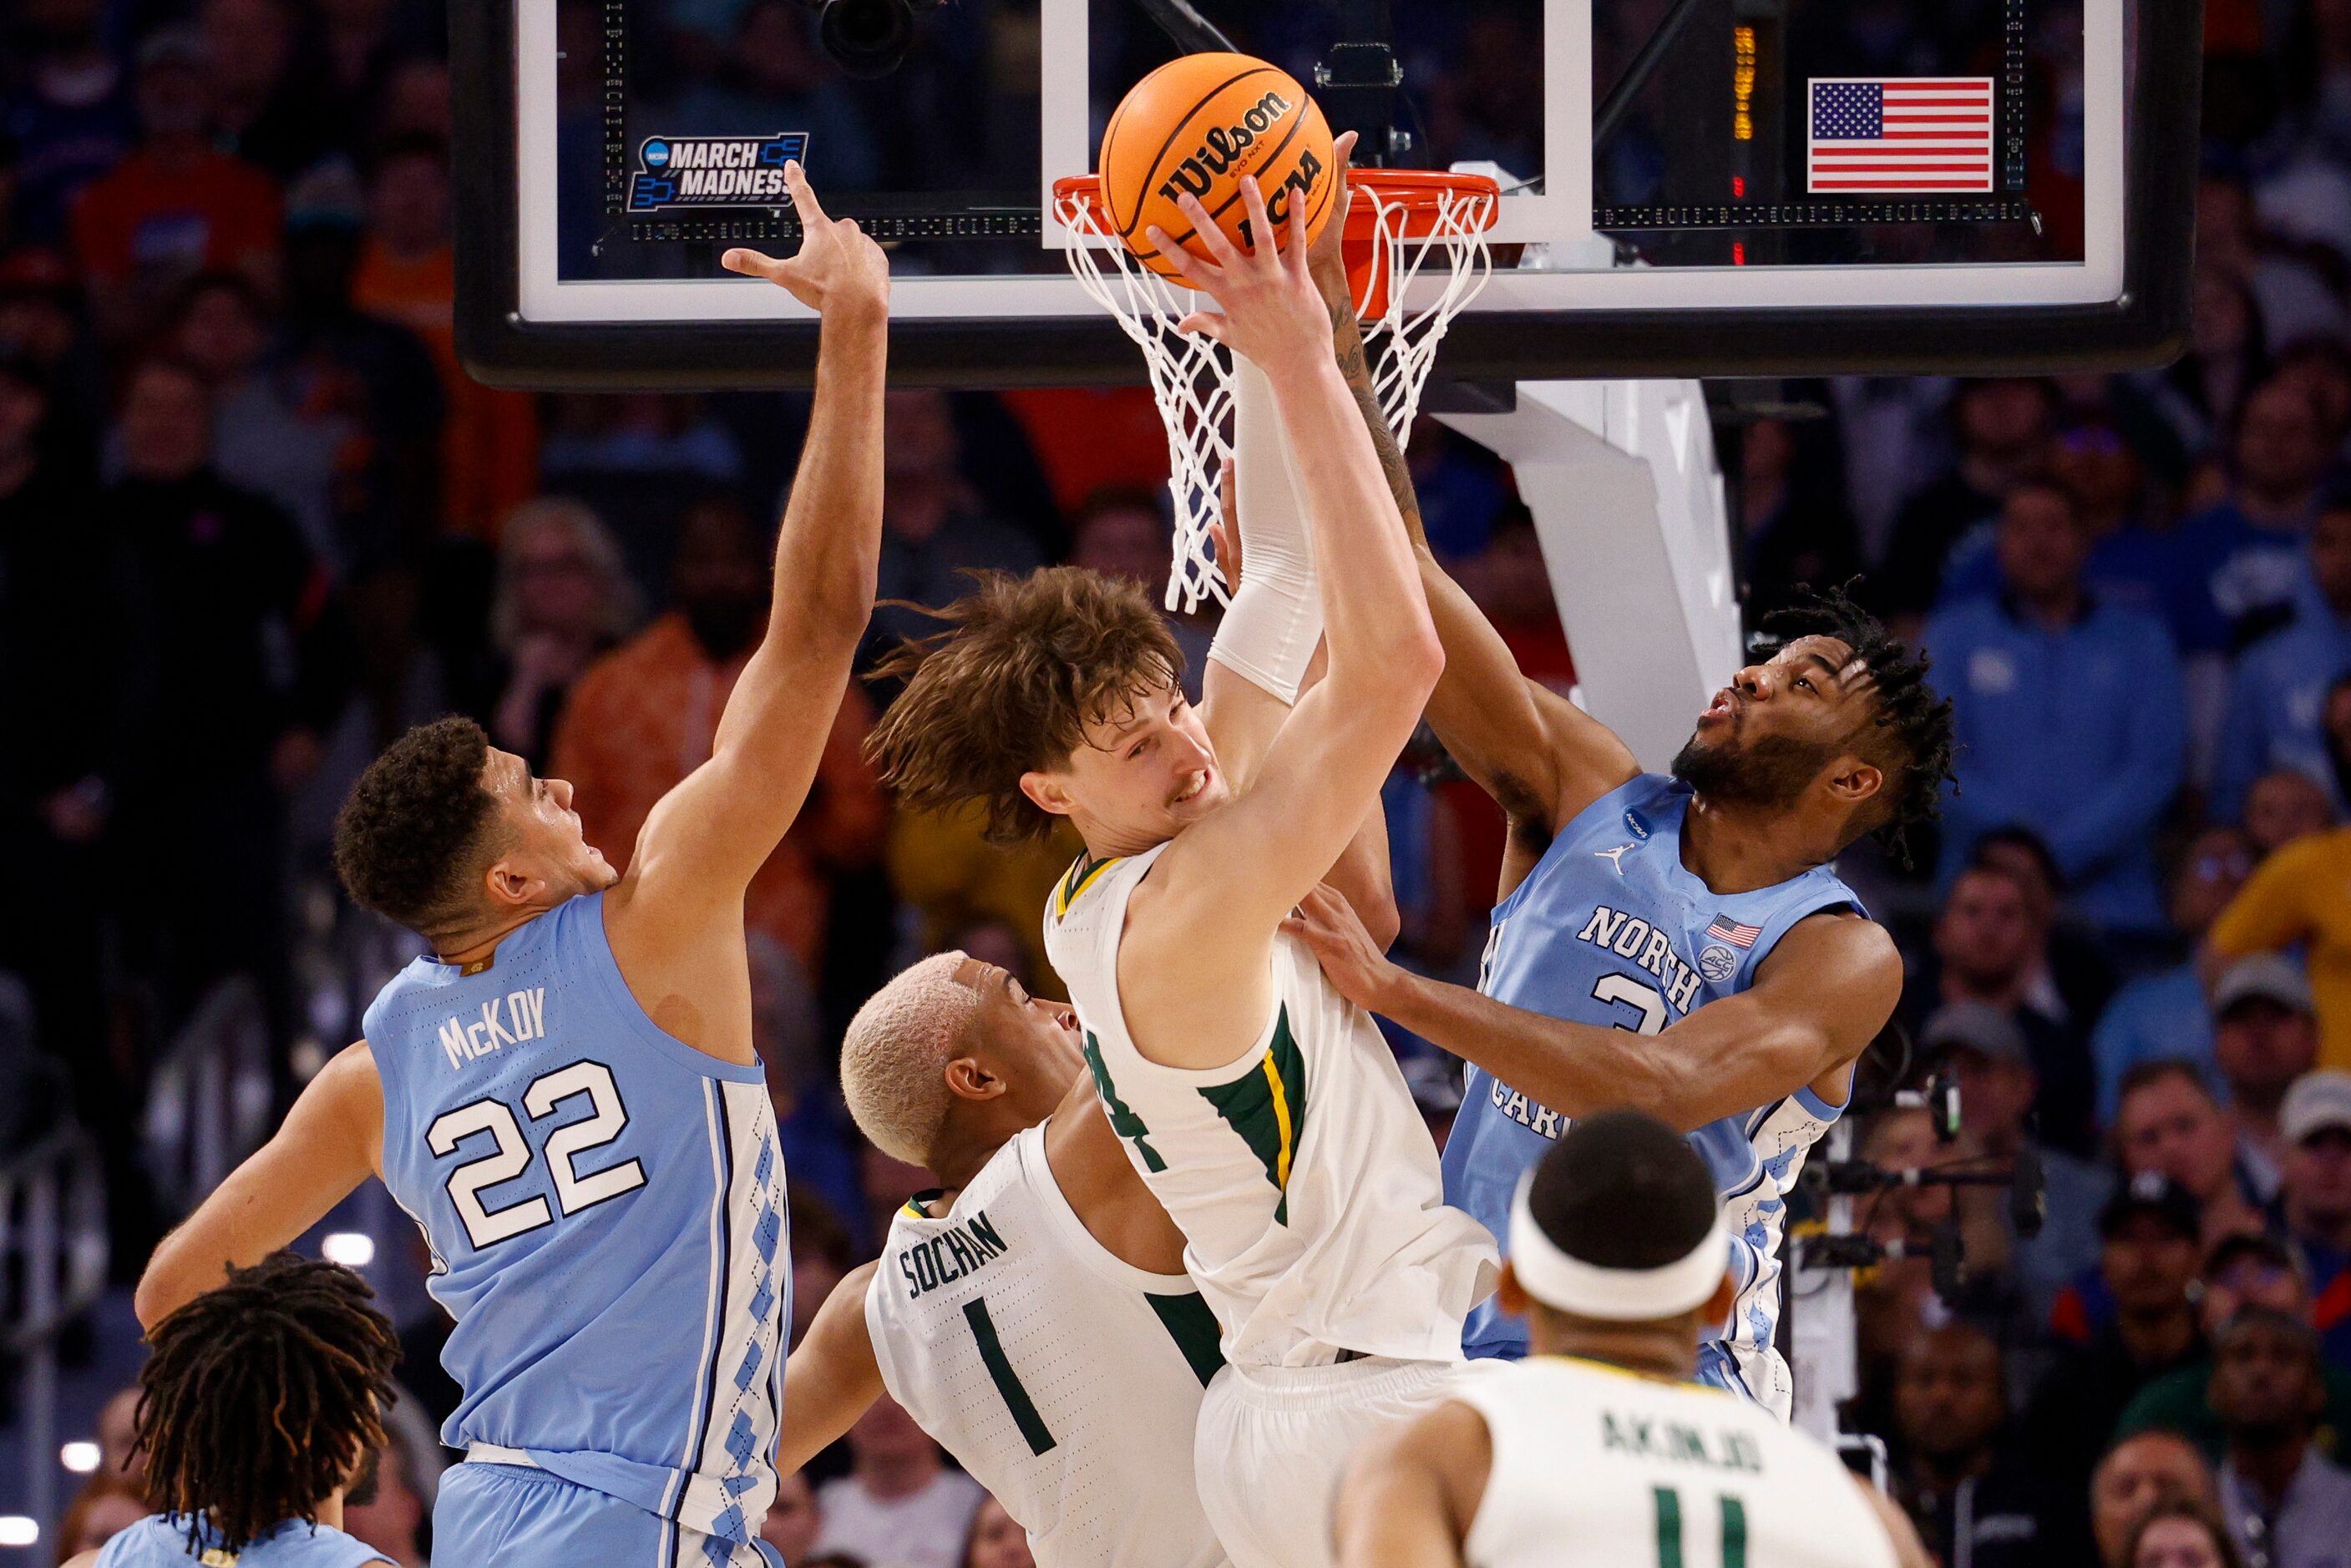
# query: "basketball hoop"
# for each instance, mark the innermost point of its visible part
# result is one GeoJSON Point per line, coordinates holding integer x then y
{"type": "Point", "coordinates": [1400, 224]}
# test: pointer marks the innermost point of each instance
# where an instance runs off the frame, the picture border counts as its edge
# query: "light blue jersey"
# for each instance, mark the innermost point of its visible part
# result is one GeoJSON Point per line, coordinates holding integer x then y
{"type": "Point", "coordinates": [605, 1205]}
{"type": "Point", "coordinates": [1610, 928]}
{"type": "Point", "coordinates": [160, 1541]}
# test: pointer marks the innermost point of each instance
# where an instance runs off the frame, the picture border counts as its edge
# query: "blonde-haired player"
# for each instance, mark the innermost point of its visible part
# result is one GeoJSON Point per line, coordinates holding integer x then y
{"type": "Point", "coordinates": [1033, 1313]}
{"type": "Point", "coordinates": [1266, 1113]}
{"type": "Point", "coordinates": [1601, 1447]}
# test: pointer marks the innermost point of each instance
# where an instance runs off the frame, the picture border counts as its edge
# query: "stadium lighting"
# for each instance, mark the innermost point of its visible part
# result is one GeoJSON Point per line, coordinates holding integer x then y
{"type": "Point", "coordinates": [352, 1248]}
{"type": "Point", "coordinates": [79, 1458]}
{"type": "Point", "coordinates": [15, 1529]}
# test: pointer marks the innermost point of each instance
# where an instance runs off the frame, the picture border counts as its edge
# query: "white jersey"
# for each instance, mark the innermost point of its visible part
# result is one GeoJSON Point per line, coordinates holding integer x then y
{"type": "Point", "coordinates": [1304, 1180]}
{"type": "Point", "coordinates": [1065, 1381]}
{"type": "Point", "coordinates": [1616, 1469]}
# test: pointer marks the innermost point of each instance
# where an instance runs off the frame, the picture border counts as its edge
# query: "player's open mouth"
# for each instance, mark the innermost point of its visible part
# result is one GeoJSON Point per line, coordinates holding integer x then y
{"type": "Point", "coordinates": [1722, 707]}
{"type": "Point", "coordinates": [1199, 781]}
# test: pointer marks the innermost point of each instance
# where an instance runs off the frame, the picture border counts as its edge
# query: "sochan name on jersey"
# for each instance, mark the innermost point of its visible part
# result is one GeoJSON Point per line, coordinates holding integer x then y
{"type": "Point", "coordinates": [520, 1016]}
{"type": "Point", "coordinates": [951, 1254]}
{"type": "Point", "coordinates": [714, 170]}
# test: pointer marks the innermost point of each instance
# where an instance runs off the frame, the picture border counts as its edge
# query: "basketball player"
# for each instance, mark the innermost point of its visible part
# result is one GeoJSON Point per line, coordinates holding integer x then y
{"type": "Point", "coordinates": [1601, 1448]}
{"type": "Point", "coordinates": [259, 1402]}
{"type": "Point", "coordinates": [563, 1095]}
{"type": "Point", "coordinates": [1679, 943]}
{"type": "Point", "coordinates": [1264, 1113]}
{"type": "Point", "coordinates": [1033, 1313]}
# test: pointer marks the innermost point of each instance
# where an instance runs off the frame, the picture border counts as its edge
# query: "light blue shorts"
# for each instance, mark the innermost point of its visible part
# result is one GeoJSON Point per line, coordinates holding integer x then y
{"type": "Point", "coordinates": [507, 1516]}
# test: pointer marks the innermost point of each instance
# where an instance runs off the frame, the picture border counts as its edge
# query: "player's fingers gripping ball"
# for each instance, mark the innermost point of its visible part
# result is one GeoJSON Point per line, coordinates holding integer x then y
{"type": "Point", "coordinates": [1194, 126]}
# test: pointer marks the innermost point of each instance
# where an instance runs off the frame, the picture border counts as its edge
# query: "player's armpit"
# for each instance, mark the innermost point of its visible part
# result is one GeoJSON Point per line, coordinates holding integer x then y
{"type": "Point", "coordinates": [832, 1378]}
{"type": "Point", "coordinates": [330, 1142]}
{"type": "Point", "coordinates": [1411, 1492]}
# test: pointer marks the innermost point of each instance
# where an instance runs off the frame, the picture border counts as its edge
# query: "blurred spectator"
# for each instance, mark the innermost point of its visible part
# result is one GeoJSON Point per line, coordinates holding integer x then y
{"type": "Point", "coordinates": [407, 272]}
{"type": "Point", "coordinates": [1899, 1301]}
{"type": "Point", "coordinates": [822, 1254]}
{"type": "Point", "coordinates": [2241, 1273]}
{"type": "Point", "coordinates": [2003, 433]}
{"type": "Point", "coordinates": [1511, 584]}
{"type": "Point", "coordinates": [2296, 899]}
{"type": "Point", "coordinates": [384, 1510]}
{"type": "Point", "coordinates": [996, 1540]}
{"type": "Point", "coordinates": [1972, 1500]}
{"type": "Point", "coordinates": [564, 599]}
{"type": "Point", "coordinates": [812, 1125]}
{"type": "Point", "coordinates": [792, 1523]}
{"type": "Point", "coordinates": [2091, 461]}
{"type": "Point", "coordinates": [265, 109]}
{"type": "Point", "coordinates": [2166, 1016]}
{"type": "Point", "coordinates": [117, 1435]}
{"type": "Point", "coordinates": [2071, 714]}
{"type": "Point", "coordinates": [2072, 979]}
{"type": "Point", "coordinates": [240, 661]}
{"type": "Point", "coordinates": [2294, 300]}
{"type": "Point", "coordinates": [2239, 563]}
{"type": "Point", "coordinates": [2167, 1123]}
{"type": "Point", "coordinates": [2148, 1252]}
{"type": "Point", "coordinates": [2282, 806]}
{"type": "Point", "coordinates": [1986, 1053]}
{"type": "Point", "coordinates": [1986, 950]}
{"type": "Point", "coordinates": [42, 328]}
{"type": "Point", "coordinates": [1122, 533]}
{"type": "Point", "coordinates": [643, 716]}
{"type": "Point", "coordinates": [1792, 528]}
{"type": "Point", "coordinates": [899, 1504]}
{"type": "Point", "coordinates": [2137, 1477]}
{"type": "Point", "coordinates": [2314, 1199]}
{"type": "Point", "coordinates": [932, 527]}
{"type": "Point", "coordinates": [2286, 1506]}
{"type": "Point", "coordinates": [1895, 433]}
{"type": "Point", "coordinates": [2182, 1535]}
{"type": "Point", "coordinates": [107, 1505]}
{"type": "Point", "coordinates": [2265, 1036]}
{"type": "Point", "coordinates": [262, 439]}
{"type": "Point", "coordinates": [67, 109]}
{"type": "Point", "coordinates": [666, 434]}
{"type": "Point", "coordinates": [173, 207]}
{"type": "Point", "coordinates": [2279, 689]}
{"type": "Point", "coordinates": [942, 865]}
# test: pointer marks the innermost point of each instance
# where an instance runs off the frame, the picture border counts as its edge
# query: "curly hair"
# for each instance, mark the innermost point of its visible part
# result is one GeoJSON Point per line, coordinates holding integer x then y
{"type": "Point", "coordinates": [260, 1397]}
{"type": "Point", "coordinates": [1025, 664]}
{"type": "Point", "coordinates": [1912, 732]}
{"type": "Point", "coordinates": [408, 839]}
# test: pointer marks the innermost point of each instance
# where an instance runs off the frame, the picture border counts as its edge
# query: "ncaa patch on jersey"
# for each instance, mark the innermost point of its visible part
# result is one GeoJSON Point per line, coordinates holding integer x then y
{"type": "Point", "coordinates": [714, 170]}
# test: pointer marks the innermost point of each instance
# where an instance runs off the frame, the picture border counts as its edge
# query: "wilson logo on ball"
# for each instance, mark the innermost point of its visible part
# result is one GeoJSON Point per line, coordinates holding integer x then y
{"type": "Point", "coordinates": [1197, 175]}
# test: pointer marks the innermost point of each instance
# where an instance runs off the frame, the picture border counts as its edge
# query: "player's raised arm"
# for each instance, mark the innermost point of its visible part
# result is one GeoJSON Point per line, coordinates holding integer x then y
{"type": "Point", "coordinates": [1817, 1001]}
{"type": "Point", "coordinates": [1233, 877]}
{"type": "Point", "coordinates": [832, 1377]}
{"type": "Point", "coordinates": [1541, 757]}
{"type": "Point", "coordinates": [710, 835]}
{"type": "Point", "coordinates": [329, 1144]}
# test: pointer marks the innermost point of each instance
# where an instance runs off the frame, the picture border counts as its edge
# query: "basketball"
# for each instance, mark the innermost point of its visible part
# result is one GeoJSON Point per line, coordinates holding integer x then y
{"type": "Point", "coordinates": [1197, 125]}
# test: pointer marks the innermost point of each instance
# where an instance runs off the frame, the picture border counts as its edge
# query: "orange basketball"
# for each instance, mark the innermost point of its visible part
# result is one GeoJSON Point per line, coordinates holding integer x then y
{"type": "Point", "coordinates": [1199, 123]}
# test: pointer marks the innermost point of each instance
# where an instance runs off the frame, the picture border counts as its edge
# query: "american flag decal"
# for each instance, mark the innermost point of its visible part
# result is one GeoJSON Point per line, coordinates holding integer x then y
{"type": "Point", "coordinates": [1724, 929]}
{"type": "Point", "coordinates": [1920, 133]}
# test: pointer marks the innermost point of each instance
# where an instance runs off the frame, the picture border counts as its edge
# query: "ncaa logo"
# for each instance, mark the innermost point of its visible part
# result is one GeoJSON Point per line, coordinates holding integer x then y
{"type": "Point", "coordinates": [1718, 963]}
{"type": "Point", "coordinates": [1637, 825]}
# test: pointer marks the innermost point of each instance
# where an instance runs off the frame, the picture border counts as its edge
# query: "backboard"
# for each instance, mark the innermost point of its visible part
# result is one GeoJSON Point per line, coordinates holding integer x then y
{"type": "Point", "coordinates": [1692, 187]}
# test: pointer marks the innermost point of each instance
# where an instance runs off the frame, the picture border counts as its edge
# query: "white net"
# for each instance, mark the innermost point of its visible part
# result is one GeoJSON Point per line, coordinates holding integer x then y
{"type": "Point", "coordinates": [1439, 233]}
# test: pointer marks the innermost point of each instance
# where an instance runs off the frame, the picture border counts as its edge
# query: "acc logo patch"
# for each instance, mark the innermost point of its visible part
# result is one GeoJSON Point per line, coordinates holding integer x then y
{"type": "Point", "coordinates": [1718, 963]}
{"type": "Point", "coordinates": [714, 170]}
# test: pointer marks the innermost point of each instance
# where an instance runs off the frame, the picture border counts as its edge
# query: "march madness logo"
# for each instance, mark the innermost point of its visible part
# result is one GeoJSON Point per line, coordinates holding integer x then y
{"type": "Point", "coordinates": [714, 170]}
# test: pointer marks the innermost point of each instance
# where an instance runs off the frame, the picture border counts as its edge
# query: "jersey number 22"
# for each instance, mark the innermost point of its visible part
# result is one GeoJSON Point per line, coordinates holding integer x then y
{"type": "Point", "coordinates": [487, 1227]}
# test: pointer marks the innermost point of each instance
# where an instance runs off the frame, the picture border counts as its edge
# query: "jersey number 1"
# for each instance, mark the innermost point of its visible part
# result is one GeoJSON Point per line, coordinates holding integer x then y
{"type": "Point", "coordinates": [1669, 1529]}
{"type": "Point", "coordinates": [487, 1227]}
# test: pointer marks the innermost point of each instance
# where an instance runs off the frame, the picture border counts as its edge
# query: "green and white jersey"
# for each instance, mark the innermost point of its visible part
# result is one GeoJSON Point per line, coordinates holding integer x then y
{"type": "Point", "coordinates": [1067, 1382]}
{"type": "Point", "coordinates": [1304, 1180]}
{"type": "Point", "coordinates": [1620, 1471]}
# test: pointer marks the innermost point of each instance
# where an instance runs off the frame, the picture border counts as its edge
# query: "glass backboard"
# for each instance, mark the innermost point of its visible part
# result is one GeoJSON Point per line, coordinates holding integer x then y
{"type": "Point", "coordinates": [1712, 187]}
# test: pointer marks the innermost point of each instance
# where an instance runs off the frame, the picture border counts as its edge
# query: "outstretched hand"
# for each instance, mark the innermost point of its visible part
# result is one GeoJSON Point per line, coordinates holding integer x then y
{"type": "Point", "coordinates": [837, 266]}
{"type": "Point", "coordinates": [1351, 960]}
{"type": "Point", "coordinates": [1273, 315]}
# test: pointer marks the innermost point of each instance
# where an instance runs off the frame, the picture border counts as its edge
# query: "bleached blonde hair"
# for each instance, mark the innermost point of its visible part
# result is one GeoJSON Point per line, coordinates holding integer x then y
{"type": "Point", "coordinates": [893, 1059]}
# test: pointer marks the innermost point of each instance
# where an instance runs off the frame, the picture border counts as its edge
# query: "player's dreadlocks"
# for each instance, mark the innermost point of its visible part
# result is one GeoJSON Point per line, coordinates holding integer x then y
{"type": "Point", "coordinates": [1911, 714]}
{"type": "Point", "coordinates": [261, 1397]}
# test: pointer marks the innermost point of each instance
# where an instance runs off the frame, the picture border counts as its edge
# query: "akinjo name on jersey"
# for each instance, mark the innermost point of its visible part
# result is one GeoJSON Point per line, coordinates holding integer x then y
{"type": "Point", "coordinates": [714, 170]}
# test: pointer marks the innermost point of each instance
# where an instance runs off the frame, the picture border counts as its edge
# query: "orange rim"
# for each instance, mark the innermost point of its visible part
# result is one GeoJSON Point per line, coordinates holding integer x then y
{"type": "Point", "coordinates": [1416, 194]}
